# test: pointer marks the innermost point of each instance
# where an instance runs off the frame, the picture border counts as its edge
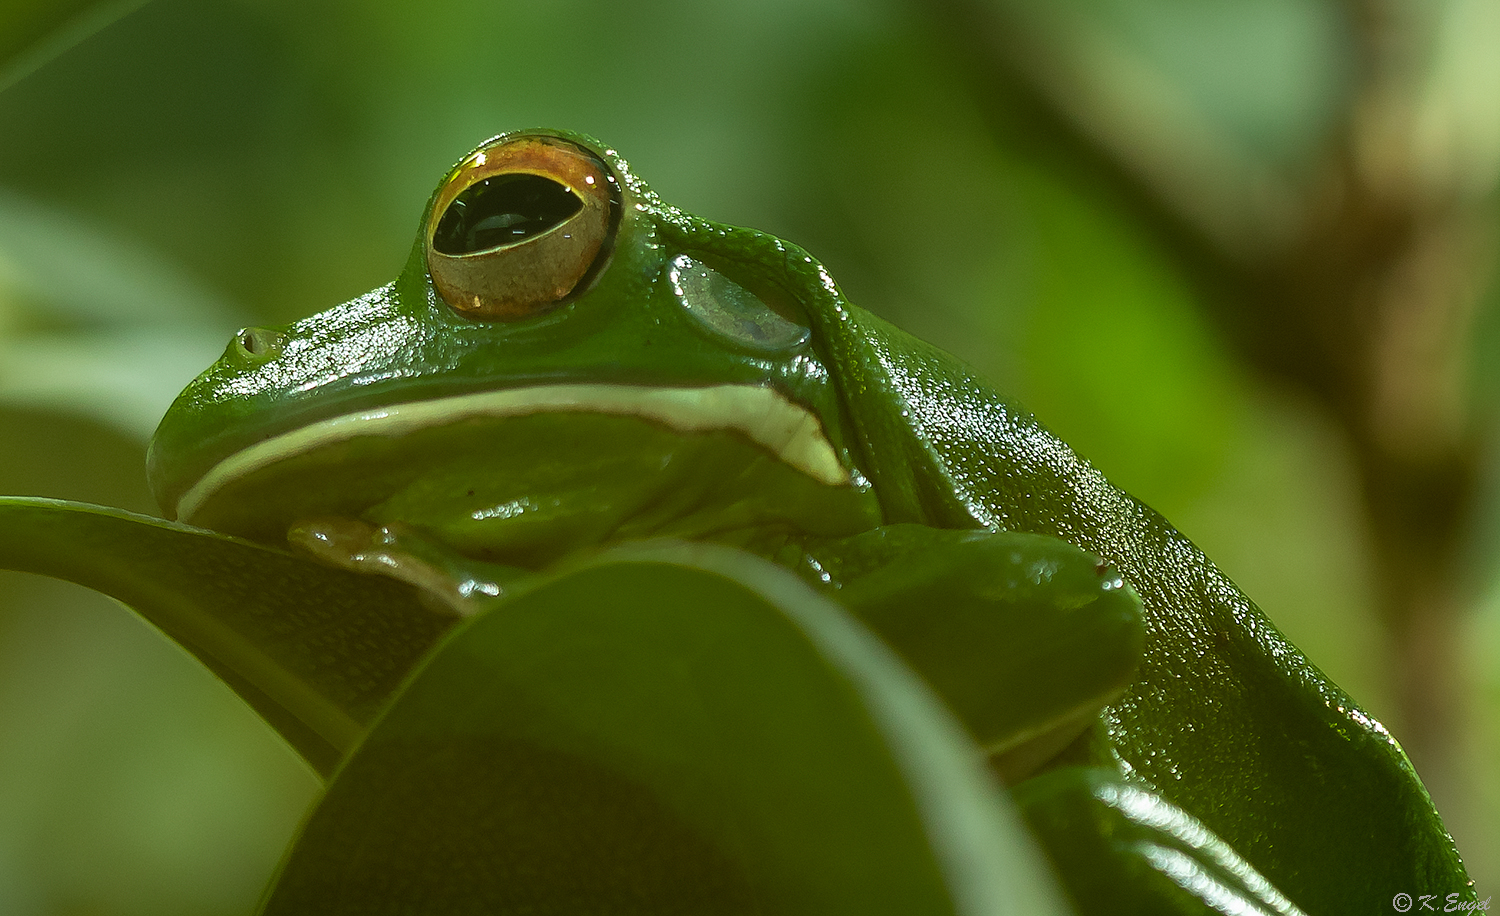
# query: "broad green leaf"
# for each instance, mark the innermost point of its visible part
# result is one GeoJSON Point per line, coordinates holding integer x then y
{"type": "Point", "coordinates": [315, 650]}
{"type": "Point", "coordinates": [665, 729]}
{"type": "Point", "coordinates": [132, 782]}
{"type": "Point", "coordinates": [1125, 850]}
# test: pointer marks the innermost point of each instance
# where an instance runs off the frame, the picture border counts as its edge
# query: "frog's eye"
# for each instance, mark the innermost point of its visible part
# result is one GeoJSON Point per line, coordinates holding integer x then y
{"type": "Point", "coordinates": [519, 226]}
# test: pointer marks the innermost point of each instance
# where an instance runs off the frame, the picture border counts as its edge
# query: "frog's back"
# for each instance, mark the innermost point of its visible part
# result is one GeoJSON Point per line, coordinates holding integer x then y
{"type": "Point", "coordinates": [1224, 708]}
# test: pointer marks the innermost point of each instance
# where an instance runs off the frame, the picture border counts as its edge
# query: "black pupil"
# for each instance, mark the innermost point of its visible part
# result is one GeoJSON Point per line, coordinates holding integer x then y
{"type": "Point", "coordinates": [503, 210]}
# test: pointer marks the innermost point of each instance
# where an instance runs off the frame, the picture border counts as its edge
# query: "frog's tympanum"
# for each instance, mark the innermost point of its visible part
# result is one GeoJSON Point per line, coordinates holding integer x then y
{"type": "Point", "coordinates": [567, 363]}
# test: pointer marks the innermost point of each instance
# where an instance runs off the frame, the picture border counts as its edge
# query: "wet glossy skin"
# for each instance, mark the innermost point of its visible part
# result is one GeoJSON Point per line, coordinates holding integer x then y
{"type": "Point", "coordinates": [949, 519]}
{"type": "Point", "coordinates": [404, 343]}
{"type": "Point", "coordinates": [685, 386]}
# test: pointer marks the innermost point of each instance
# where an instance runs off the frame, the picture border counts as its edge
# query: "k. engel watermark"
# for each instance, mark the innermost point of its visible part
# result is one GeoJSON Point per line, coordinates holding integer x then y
{"type": "Point", "coordinates": [1435, 903]}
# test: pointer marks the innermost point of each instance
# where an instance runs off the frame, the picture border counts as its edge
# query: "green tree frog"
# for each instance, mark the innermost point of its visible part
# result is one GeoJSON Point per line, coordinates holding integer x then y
{"type": "Point", "coordinates": [566, 363]}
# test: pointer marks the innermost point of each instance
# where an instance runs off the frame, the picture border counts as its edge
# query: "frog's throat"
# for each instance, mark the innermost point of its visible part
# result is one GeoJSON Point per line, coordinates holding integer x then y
{"type": "Point", "coordinates": [767, 418]}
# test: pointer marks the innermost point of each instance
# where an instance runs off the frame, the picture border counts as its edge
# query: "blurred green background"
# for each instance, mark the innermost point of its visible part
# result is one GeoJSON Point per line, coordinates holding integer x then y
{"type": "Point", "coordinates": [1239, 253]}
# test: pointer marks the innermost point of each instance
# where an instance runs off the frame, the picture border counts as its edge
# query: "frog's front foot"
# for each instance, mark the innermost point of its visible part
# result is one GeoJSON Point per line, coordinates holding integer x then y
{"type": "Point", "coordinates": [447, 581]}
{"type": "Point", "coordinates": [1026, 637]}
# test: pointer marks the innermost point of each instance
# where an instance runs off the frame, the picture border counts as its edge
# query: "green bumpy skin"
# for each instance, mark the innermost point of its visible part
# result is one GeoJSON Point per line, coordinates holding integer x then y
{"type": "Point", "coordinates": [927, 483]}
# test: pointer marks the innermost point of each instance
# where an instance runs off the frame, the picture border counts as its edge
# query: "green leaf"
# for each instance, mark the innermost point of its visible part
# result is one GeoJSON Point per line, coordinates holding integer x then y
{"type": "Point", "coordinates": [315, 650]}
{"type": "Point", "coordinates": [664, 729]}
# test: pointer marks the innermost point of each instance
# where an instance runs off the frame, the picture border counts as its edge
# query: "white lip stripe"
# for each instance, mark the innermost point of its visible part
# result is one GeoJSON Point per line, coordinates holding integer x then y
{"type": "Point", "coordinates": [789, 431]}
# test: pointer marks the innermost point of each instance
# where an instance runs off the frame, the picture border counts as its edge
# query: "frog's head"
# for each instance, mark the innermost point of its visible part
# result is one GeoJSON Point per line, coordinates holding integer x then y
{"type": "Point", "coordinates": [553, 317]}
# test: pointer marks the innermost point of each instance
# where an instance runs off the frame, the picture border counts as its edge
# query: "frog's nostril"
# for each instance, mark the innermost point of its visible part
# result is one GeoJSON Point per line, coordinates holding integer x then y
{"type": "Point", "coordinates": [258, 344]}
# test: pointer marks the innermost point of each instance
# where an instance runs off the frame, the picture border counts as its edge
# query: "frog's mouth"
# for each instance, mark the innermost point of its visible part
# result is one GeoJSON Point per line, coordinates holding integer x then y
{"type": "Point", "coordinates": [764, 416]}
